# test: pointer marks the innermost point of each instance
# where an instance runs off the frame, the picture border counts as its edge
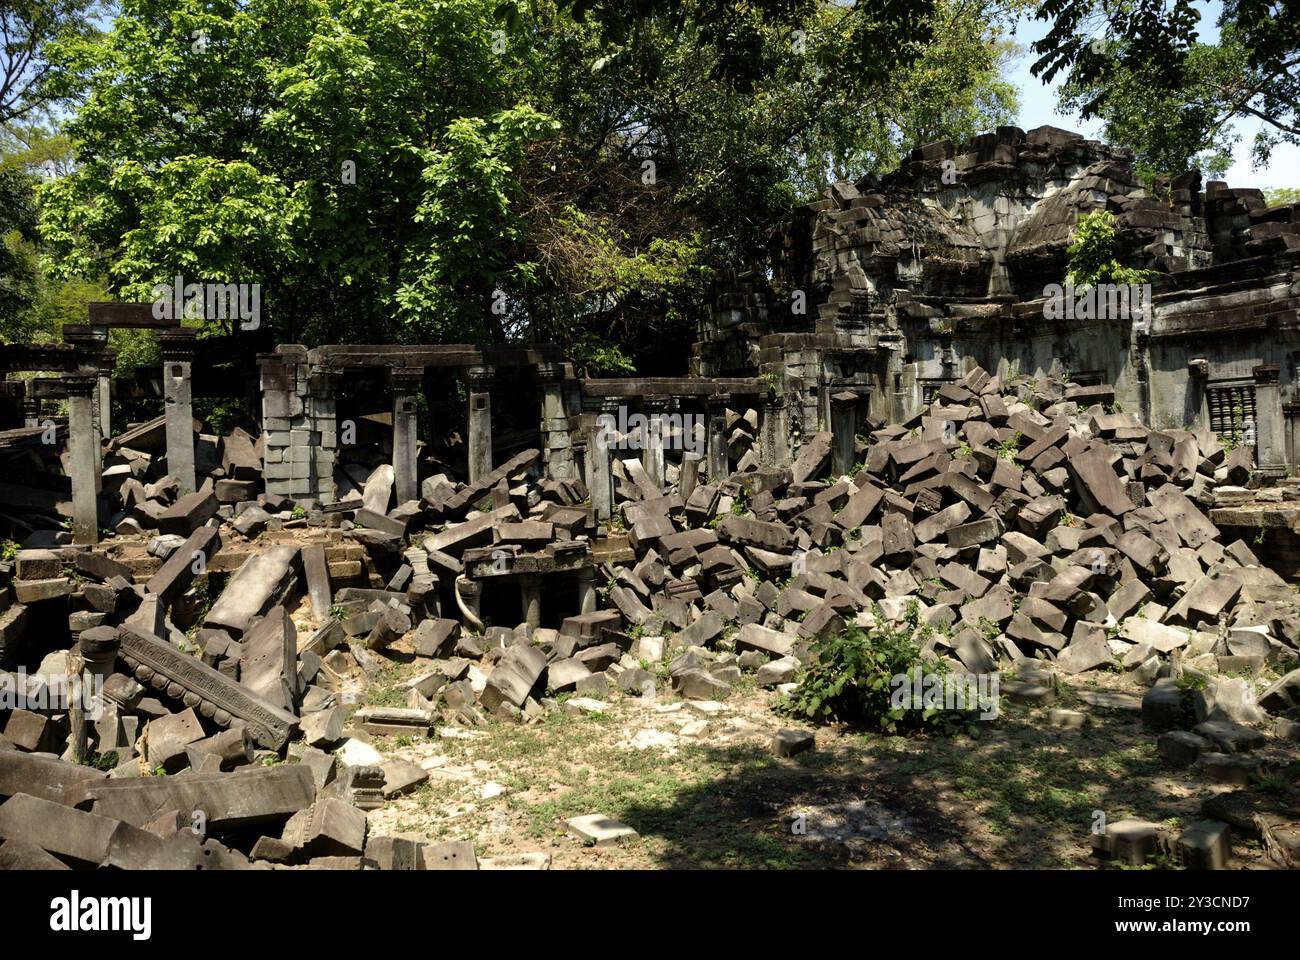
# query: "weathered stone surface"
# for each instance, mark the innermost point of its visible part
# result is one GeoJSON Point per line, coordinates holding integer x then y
{"type": "Point", "coordinates": [213, 694]}
{"type": "Point", "coordinates": [245, 797]}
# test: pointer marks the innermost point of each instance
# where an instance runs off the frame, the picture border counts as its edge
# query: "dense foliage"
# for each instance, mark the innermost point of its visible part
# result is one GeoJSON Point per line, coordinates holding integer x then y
{"type": "Point", "coordinates": [1168, 92]}
{"type": "Point", "coordinates": [402, 170]}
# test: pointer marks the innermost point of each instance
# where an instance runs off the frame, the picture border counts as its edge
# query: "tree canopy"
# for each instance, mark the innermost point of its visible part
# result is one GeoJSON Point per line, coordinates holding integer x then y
{"type": "Point", "coordinates": [402, 170]}
{"type": "Point", "coordinates": [1140, 67]}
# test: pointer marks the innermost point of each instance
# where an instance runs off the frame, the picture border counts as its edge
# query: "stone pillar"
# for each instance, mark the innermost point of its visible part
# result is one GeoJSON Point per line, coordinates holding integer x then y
{"type": "Point", "coordinates": [652, 441]}
{"type": "Point", "coordinates": [587, 594]}
{"type": "Point", "coordinates": [82, 466]}
{"type": "Point", "coordinates": [844, 430]}
{"type": "Point", "coordinates": [557, 447]}
{"type": "Point", "coordinates": [530, 597]}
{"type": "Point", "coordinates": [104, 386]}
{"type": "Point", "coordinates": [775, 440]}
{"type": "Point", "coordinates": [718, 466]}
{"type": "Point", "coordinates": [177, 346]}
{"type": "Point", "coordinates": [600, 480]}
{"type": "Point", "coordinates": [407, 383]}
{"type": "Point", "coordinates": [1270, 453]}
{"type": "Point", "coordinates": [93, 359]}
{"type": "Point", "coordinates": [481, 380]}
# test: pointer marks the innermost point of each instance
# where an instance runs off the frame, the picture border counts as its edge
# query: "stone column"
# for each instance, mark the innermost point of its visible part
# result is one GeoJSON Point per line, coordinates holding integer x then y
{"type": "Point", "coordinates": [407, 383]}
{"type": "Point", "coordinates": [844, 430]}
{"type": "Point", "coordinates": [775, 436]}
{"type": "Point", "coordinates": [177, 346]}
{"type": "Point", "coordinates": [652, 441]}
{"type": "Point", "coordinates": [82, 441]}
{"type": "Point", "coordinates": [1269, 450]}
{"type": "Point", "coordinates": [718, 467]}
{"type": "Point", "coordinates": [104, 387]}
{"type": "Point", "coordinates": [530, 597]}
{"type": "Point", "coordinates": [599, 478]}
{"type": "Point", "coordinates": [587, 595]}
{"type": "Point", "coordinates": [481, 379]}
{"type": "Point", "coordinates": [556, 444]}
{"type": "Point", "coordinates": [92, 359]}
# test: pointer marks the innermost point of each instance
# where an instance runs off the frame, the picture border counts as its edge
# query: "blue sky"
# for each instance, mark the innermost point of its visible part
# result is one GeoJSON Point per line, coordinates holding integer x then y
{"type": "Point", "coordinates": [1038, 106]}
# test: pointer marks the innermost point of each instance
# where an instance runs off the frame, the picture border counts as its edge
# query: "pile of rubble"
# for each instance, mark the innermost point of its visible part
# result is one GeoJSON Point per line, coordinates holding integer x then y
{"type": "Point", "coordinates": [1033, 528]}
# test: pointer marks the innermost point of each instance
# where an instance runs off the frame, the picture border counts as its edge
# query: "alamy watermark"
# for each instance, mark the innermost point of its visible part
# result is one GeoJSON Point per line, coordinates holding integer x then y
{"type": "Point", "coordinates": [209, 301]}
{"type": "Point", "coordinates": [638, 431]}
{"type": "Point", "coordinates": [921, 690]}
{"type": "Point", "coordinates": [1098, 301]}
{"type": "Point", "coordinates": [57, 693]}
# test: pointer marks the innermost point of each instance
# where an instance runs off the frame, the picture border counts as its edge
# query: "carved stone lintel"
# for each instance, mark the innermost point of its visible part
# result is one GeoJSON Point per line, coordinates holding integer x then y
{"type": "Point", "coordinates": [80, 385]}
{"type": "Point", "coordinates": [1266, 373]}
{"type": "Point", "coordinates": [213, 694]}
{"type": "Point", "coordinates": [406, 380]}
{"type": "Point", "coordinates": [176, 344]}
{"type": "Point", "coordinates": [481, 378]}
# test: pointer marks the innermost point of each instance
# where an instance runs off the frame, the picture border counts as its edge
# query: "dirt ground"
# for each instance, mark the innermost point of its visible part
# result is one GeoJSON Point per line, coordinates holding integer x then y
{"type": "Point", "coordinates": [701, 789]}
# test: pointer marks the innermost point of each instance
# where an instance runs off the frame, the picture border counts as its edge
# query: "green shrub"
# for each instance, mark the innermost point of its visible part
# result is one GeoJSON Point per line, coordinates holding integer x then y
{"type": "Point", "coordinates": [852, 678]}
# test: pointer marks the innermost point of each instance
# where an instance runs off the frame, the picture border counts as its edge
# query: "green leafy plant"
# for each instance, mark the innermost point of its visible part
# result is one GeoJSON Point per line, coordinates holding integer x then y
{"type": "Point", "coordinates": [1094, 254]}
{"type": "Point", "coordinates": [1007, 449]}
{"type": "Point", "coordinates": [853, 677]}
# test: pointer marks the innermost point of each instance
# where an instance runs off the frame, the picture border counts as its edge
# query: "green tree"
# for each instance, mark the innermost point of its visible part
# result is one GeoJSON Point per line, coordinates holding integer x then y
{"type": "Point", "coordinates": [415, 170]}
{"type": "Point", "coordinates": [1138, 65]}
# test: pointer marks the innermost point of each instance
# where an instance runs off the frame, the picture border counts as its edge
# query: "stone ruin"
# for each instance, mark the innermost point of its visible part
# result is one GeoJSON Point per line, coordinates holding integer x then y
{"type": "Point", "coordinates": [1049, 497]}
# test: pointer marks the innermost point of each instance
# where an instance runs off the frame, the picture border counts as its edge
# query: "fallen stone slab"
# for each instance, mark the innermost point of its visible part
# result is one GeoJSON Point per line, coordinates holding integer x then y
{"type": "Point", "coordinates": [42, 777]}
{"type": "Point", "coordinates": [189, 513]}
{"type": "Point", "coordinates": [250, 795]}
{"type": "Point", "coordinates": [790, 743]}
{"type": "Point", "coordinates": [186, 562]}
{"type": "Point", "coordinates": [252, 590]}
{"type": "Point", "coordinates": [752, 636]}
{"type": "Point", "coordinates": [79, 838]}
{"type": "Point", "coordinates": [513, 678]}
{"type": "Point", "coordinates": [270, 662]}
{"type": "Point", "coordinates": [598, 830]}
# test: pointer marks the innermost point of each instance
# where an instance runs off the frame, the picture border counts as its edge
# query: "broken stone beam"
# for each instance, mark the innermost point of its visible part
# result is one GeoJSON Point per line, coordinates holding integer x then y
{"type": "Point", "coordinates": [478, 489]}
{"type": "Point", "coordinates": [318, 579]}
{"type": "Point", "coordinates": [228, 800]}
{"type": "Point", "coordinates": [252, 590]}
{"type": "Point", "coordinates": [270, 663]}
{"type": "Point", "coordinates": [212, 694]}
{"type": "Point", "coordinates": [239, 457]}
{"type": "Point", "coordinates": [177, 347]}
{"type": "Point", "coordinates": [42, 777]}
{"type": "Point", "coordinates": [187, 561]}
{"type": "Point", "coordinates": [188, 513]}
{"type": "Point", "coordinates": [812, 457]}
{"type": "Point", "coordinates": [83, 465]}
{"type": "Point", "coordinates": [514, 676]}
{"type": "Point", "coordinates": [80, 838]}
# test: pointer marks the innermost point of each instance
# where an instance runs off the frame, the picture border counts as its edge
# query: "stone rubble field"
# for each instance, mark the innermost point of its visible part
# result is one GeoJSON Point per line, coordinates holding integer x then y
{"type": "Point", "coordinates": [1148, 671]}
